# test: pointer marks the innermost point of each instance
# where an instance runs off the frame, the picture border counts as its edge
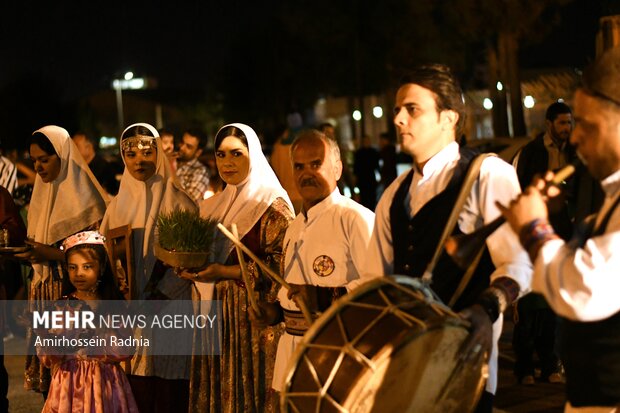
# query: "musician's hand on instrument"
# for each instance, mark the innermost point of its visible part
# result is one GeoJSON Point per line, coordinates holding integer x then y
{"type": "Point", "coordinates": [304, 292]}
{"type": "Point", "coordinates": [480, 338]}
{"type": "Point", "coordinates": [529, 206]}
{"type": "Point", "coordinates": [270, 314]}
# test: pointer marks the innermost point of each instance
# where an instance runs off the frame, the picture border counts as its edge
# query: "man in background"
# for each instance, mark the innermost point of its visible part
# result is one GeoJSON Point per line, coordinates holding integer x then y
{"type": "Point", "coordinates": [104, 172]}
{"type": "Point", "coordinates": [192, 174]}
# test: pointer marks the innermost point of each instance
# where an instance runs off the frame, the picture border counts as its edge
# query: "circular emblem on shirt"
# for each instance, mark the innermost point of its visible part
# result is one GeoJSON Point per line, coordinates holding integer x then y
{"type": "Point", "coordinates": [323, 266]}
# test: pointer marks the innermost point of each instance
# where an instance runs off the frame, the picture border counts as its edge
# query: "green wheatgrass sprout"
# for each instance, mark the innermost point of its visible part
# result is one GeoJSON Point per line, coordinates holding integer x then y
{"type": "Point", "coordinates": [185, 231]}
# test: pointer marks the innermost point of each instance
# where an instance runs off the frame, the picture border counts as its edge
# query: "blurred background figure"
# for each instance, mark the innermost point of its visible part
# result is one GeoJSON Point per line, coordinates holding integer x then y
{"type": "Point", "coordinates": [192, 174]}
{"type": "Point", "coordinates": [8, 173]}
{"type": "Point", "coordinates": [387, 160]}
{"type": "Point", "coordinates": [365, 166]}
{"type": "Point", "coordinates": [346, 183]}
{"type": "Point", "coordinates": [9, 270]}
{"type": "Point", "coordinates": [167, 141]}
{"type": "Point", "coordinates": [102, 169]}
{"type": "Point", "coordinates": [535, 322]}
{"type": "Point", "coordinates": [283, 167]}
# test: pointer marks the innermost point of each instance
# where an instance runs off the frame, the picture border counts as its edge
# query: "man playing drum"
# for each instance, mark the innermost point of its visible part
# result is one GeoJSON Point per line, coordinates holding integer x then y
{"type": "Point", "coordinates": [429, 115]}
{"type": "Point", "coordinates": [324, 246]}
{"type": "Point", "coordinates": [580, 278]}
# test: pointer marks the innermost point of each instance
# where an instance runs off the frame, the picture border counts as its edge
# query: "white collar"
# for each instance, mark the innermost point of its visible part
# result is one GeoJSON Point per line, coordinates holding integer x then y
{"type": "Point", "coordinates": [611, 184]}
{"type": "Point", "coordinates": [439, 161]}
{"type": "Point", "coordinates": [318, 209]}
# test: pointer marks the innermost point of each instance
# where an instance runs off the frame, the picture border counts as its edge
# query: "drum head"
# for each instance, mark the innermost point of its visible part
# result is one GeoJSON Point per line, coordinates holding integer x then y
{"type": "Point", "coordinates": [385, 347]}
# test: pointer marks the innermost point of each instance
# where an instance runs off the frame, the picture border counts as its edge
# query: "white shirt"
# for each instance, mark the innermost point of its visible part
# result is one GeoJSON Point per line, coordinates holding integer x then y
{"type": "Point", "coordinates": [557, 155]}
{"type": "Point", "coordinates": [326, 248]}
{"type": "Point", "coordinates": [582, 284]}
{"type": "Point", "coordinates": [497, 182]}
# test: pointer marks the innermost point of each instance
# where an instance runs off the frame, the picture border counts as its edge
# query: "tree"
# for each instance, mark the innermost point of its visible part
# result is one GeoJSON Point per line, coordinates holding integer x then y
{"type": "Point", "coordinates": [502, 26]}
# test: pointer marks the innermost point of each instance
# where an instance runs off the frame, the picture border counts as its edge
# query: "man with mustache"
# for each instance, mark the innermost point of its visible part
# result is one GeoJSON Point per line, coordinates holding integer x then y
{"type": "Point", "coordinates": [579, 279]}
{"type": "Point", "coordinates": [324, 246]}
{"type": "Point", "coordinates": [429, 115]}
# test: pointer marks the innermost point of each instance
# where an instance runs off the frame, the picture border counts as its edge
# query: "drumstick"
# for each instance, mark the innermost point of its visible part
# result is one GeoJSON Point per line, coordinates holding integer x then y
{"type": "Point", "coordinates": [298, 300]}
{"type": "Point", "coordinates": [244, 273]}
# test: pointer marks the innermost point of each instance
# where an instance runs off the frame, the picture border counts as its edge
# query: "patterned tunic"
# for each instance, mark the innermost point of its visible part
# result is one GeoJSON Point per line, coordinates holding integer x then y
{"type": "Point", "coordinates": [239, 379]}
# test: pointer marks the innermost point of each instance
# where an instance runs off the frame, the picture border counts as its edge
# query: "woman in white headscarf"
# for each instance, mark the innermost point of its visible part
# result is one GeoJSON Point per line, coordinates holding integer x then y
{"type": "Point", "coordinates": [240, 378]}
{"type": "Point", "coordinates": [66, 199]}
{"type": "Point", "coordinates": [148, 187]}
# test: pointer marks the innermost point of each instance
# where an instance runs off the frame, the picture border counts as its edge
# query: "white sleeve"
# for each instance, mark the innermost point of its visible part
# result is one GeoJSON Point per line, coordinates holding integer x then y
{"type": "Point", "coordinates": [360, 231]}
{"type": "Point", "coordinates": [499, 183]}
{"type": "Point", "coordinates": [380, 255]}
{"type": "Point", "coordinates": [581, 284]}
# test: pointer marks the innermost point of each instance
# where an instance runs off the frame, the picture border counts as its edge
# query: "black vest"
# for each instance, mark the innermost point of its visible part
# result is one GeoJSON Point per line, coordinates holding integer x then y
{"type": "Point", "coordinates": [534, 160]}
{"type": "Point", "coordinates": [591, 355]}
{"type": "Point", "coordinates": [415, 239]}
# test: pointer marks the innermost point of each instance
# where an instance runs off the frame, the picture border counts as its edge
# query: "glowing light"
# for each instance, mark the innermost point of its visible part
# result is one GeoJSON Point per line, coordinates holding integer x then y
{"type": "Point", "coordinates": [128, 75]}
{"type": "Point", "coordinates": [529, 102]}
{"type": "Point", "coordinates": [499, 86]}
{"type": "Point", "coordinates": [561, 100]}
{"type": "Point", "coordinates": [377, 112]}
{"type": "Point", "coordinates": [208, 194]}
{"type": "Point", "coordinates": [487, 103]}
{"type": "Point", "coordinates": [357, 115]}
{"type": "Point", "coordinates": [134, 83]}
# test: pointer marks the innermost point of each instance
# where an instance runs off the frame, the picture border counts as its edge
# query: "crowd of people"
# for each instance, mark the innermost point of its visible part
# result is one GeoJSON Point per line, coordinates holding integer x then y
{"type": "Point", "coordinates": [295, 220]}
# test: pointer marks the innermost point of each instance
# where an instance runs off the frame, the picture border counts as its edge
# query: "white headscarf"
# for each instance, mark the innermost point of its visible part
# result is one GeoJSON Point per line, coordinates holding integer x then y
{"type": "Point", "coordinates": [69, 204]}
{"type": "Point", "coordinates": [244, 204]}
{"type": "Point", "coordinates": [139, 203]}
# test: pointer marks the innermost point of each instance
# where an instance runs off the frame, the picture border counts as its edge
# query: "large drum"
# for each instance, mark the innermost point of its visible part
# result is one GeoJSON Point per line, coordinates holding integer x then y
{"type": "Point", "coordinates": [388, 346]}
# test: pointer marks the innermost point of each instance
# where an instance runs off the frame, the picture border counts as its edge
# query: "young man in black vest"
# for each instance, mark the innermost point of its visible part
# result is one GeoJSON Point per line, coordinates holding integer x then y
{"type": "Point", "coordinates": [580, 278]}
{"type": "Point", "coordinates": [411, 215]}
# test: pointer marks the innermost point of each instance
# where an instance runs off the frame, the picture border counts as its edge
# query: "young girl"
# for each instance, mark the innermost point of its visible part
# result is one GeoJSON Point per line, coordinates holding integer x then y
{"type": "Point", "coordinates": [88, 379]}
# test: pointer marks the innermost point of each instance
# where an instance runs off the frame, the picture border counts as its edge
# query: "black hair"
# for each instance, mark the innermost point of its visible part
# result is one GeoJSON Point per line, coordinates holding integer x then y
{"type": "Point", "coordinates": [556, 109]}
{"type": "Point", "coordinates": [89, 137]}
{"type": "Point", "coordinates": [107, 287]}
{"type": "Point", "coordinates": [439, 79]}
{"type": "Point", "coordinates": [164, 131]}
{"type": "Point", "coordinates": [138, 130]}
{"type": "Point", "coordinates": [200, 135]}
{"type": "Point", "coordinates": [230, 131]}
{"type": "Point", "coordinates": [43, 142]}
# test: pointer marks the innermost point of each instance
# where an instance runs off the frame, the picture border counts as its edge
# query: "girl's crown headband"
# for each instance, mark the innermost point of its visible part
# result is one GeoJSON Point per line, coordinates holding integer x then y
{"type": "Point", "coordinates": [85, 237]}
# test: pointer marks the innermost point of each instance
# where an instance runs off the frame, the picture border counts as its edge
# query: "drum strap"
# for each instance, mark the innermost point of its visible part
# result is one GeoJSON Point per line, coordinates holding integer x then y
{"type": "Point", "coordinates": [472, 175]}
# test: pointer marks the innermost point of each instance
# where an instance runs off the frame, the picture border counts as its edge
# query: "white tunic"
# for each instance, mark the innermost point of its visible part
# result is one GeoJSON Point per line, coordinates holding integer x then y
{"type": "Point", "coordinates": [497, 182]}
{"type": "Point", "coordinates": [582, 284]}
{"type": "Point", "coordinates": [326, 248]}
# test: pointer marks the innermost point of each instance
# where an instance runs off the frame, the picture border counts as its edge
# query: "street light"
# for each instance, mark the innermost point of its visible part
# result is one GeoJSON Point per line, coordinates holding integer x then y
{"type": "Point", "coordinates": [128, 82]}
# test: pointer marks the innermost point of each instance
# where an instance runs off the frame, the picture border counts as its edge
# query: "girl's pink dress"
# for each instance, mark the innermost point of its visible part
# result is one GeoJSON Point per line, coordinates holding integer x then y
{"type": "Point", "coordinates": [89, 385]}
{"type": "Point", "coordinates": [89, 380]}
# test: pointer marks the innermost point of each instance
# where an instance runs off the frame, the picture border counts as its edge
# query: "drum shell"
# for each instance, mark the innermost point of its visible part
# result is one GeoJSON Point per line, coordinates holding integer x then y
{"type": "Point", "coordinates": [387, 346]}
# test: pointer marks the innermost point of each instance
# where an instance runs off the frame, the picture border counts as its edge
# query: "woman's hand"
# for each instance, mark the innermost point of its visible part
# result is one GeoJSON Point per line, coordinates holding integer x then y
{"type": "Point", "coordinates": [212, 273]}
{"type": "Point", "coordinates": [40, 253]}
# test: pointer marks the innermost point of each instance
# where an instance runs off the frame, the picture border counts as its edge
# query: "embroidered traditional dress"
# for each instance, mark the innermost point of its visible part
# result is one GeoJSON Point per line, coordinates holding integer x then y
{"type": "Point", "coordinates": [239, 379]}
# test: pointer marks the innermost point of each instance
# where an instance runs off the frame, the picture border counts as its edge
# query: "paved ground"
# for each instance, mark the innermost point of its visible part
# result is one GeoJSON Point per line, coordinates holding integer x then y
{"type": "Point", "coordinates": [20, 400]}
{"type": "Point", "coordinates": [516, 398]}
{"type": "Point", "coordinates": [511, 397]}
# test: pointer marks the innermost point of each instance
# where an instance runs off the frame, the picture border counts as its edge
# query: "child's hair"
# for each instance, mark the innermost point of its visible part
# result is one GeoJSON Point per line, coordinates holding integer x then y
{"type": "Point", "coordinates": [107, 288]}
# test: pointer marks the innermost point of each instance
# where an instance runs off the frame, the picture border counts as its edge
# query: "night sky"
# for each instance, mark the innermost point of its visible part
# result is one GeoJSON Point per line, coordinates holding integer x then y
{"type": "Point", "coordinates": [235, 49]}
